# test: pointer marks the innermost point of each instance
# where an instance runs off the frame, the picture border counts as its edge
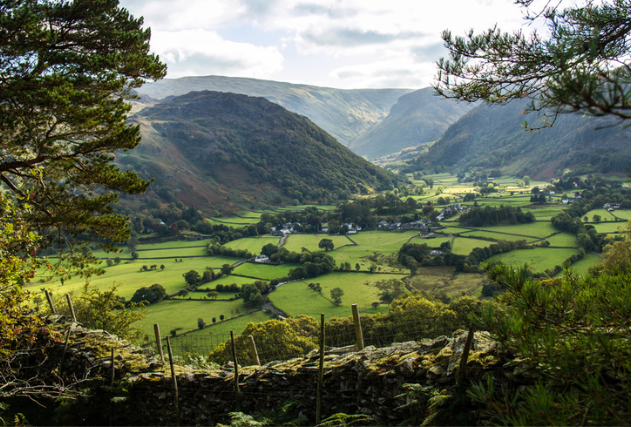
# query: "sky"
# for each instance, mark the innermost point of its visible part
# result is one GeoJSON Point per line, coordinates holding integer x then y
{"type": "Point", "coordinates": [343, 44]}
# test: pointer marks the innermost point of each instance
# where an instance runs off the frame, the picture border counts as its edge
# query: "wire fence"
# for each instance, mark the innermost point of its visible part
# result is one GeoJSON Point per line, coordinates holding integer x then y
{"type": "Point", "coordinates": [279, 340]}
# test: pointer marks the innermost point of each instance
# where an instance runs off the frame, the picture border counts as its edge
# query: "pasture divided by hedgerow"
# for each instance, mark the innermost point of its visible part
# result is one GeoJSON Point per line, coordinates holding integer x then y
{"type": "Point", "coordinates": [295, 242]}
{"type": "Point", "coordinates": [183, 315]}
{"type": "Point", "coordinates": [498, 236]}
{"type": "Point", "coordinates": [604, 215]}
{"type": "Point", "coordinates": [253, 244]}
{"type": "Point", "coordinates": [609, 227]}
{"type": "Point", "coordinates": [538, 259]}
{"type": "Point", "coordinates": [264, 271]}
{"type": "Point", "coordinates": [581, 266]}
{"type": "Point", "coordinates": [295, 298]}
{"type": "Point", "coordinates": [563, 239]}
{"type": "Point", "coordinates": [464, 246]}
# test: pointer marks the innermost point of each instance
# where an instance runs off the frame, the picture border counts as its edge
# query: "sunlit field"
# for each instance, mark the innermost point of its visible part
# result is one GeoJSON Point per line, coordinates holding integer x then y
{"type": "Point", "coordinates": [296, 298]}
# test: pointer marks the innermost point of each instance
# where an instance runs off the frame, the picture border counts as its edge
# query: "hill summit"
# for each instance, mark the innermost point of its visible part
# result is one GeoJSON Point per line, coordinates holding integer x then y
{"type": "Point", "coordinates": [227, 151]}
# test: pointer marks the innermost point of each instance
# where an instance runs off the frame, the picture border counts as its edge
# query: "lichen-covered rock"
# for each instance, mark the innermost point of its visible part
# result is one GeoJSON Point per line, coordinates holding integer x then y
{"type": "Point", "coordinates": [365, 382]}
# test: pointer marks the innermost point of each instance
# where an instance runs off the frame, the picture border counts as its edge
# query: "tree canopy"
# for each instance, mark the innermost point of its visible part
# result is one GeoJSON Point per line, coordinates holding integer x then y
{"type": "Point", "coordinates": [67, 70]}
{"type": "Point", "coordinates": [582, 62]}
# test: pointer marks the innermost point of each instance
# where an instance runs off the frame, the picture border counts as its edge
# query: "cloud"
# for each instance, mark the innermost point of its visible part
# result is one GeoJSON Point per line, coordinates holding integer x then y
{"type": "Point", "coordinates": [347, 37]}
{"type": "Point", "coordinates": [202, 52]}
{"type": "Point", "coordinates": [364, 42]}
{"type": "Point", "coordinates": [429, 52]}
{"type": "Point", "coordinates": [384, 73]}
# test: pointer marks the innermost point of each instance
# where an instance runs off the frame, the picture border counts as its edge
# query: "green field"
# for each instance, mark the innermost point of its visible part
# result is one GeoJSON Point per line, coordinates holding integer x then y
{"type": "Point", "coordinates": [129, 277]}
{"type": "Point", "coordinates": [264, 271]}
{"type": "Point", "coordinates": [373, 243]}
{"type": "Point", "coordinates": [253, 244]}
{"type": "Point", "coordinates": [622, 214]}
{"type": "Point", "coordinates": [534, 229]}
{"type": "Point", "coordinates": [183, 314]}
{"type": "Point", "coordinates": [295, 298]}
{"type": "Point", "coordinates": [604, 214]}
{"type": "Point", "coordinates": [463, 246]}
{"type": "Point", "coordinates": [538, 259]}
{"type": "Point", "coordinates": [582, 265]}
{"type": "Point", "coordinates": [563, 239]}
{"type": "Point", "coordinates": [203, 341]}
{"type": "Point", "coordinates": [609, 227]}
{"type": "Point", "coordinates": [445, 281]}
{"type": "Point", "coordinates": [383, 241]}
{"type": "Point", "coordinates": [295, 242]}
{"type": "Point", "coordinates": [498, 236]}
{"type": "Point", "coordinates": [454, 230]}
{"type": "Point", "coordinates": [546, 212]}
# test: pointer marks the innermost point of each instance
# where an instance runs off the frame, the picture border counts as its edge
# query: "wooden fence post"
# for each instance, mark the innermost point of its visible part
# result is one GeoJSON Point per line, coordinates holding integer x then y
{"type": "Point", "coordinates": [320, 370]}
{"type": "Point", "coordinates": [113, 367]}
{"type": "Point", "coordinates": [358, 328]}
{"type": "Point", "coordinates": [53, 308]}
{"type": "Point", "coordinates": [176, 402]}
{"type": "Point", "coordinates": [156, 329]}
{"type": "Point", "coordinates": [254, 350]}
{"type": "Point", "coordinates": [465, 354]}
{"type": "Point", "coordinates": [73, 312]}
{"type": "Point", "coordinates": [236, 386]}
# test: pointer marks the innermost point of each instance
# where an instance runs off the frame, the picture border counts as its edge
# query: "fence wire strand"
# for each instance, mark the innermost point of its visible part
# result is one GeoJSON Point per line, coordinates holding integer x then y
{"type": "Point", "coordinates": [339, 333]}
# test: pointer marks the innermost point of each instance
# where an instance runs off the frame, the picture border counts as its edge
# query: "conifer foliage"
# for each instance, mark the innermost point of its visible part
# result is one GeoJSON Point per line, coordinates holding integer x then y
{"type": "Point", "coordinates": [574, 335]}
{"type": "Point", "coordinates": [584, 64]}
{"type": "Point", "coordinates": [66, 71]}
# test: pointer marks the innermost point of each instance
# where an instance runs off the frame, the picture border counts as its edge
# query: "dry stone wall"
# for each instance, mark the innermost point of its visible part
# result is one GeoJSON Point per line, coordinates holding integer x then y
{"type": "Point", "coordinates": [364, 382]}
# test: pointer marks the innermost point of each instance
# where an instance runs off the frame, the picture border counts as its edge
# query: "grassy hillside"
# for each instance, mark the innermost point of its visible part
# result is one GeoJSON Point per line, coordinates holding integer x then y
{"type": "Point", "coordinates": [223, 151]}
{"type": "Point", "coordinates": [344, 114]}
{"type": "Point", "coordinates": [418, 117]}
{"type": "Point", "coordinates": [492, 137]}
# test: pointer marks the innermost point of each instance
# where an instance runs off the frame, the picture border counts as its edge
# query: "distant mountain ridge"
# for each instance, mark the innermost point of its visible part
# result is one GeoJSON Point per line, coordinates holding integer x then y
{"type": "Point", "coordinates": [227, 152]}
{"type": "Point", "coordinates": [418, 117]}
{"type": "Point", "coordinates": [345, 114]}
{"type": "Point", "coordinates": [492, 137]}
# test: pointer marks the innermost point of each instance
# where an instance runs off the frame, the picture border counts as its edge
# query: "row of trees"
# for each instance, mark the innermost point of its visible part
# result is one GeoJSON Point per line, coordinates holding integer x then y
{"type": "Point", "coordinates": [216, 248]}
{"type": "Point", "coordinates": [488, 215]}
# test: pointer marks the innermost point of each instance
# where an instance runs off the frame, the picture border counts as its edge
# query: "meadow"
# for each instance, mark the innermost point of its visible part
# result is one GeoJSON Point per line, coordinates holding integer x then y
{"type": "Point", "coordinates": [263, 271]}
{"type": "Point", "coordinates": [372, 245]}
{"type": "Point", "coordinates": [253, 244]}
{"type": "Point", "coordinates": [498, 236]}
{"type": "Point", "coordinates": [538, 259]}
{"type": "Point", "coordinates": [604, 215]}
{"type": "Point", "coordinates": [581, 266]}
{"type": "Point", "coordinates": [446, 281]}
{"type": "Point", "coordinates": [296, 242]}
{"type": "Point", "coordinates": [183, 315]}
{"type": "Point", "coordinates": [295, 298]}
{"type": "Point", "coordinates": [366, 249]}
{"type": "Point", "coordinates": [464, 246]}
{"type": "Point", "coordinates": [563, 239]}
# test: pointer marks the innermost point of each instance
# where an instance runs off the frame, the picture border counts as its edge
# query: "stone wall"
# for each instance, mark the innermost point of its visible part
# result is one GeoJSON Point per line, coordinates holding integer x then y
{"type": "Point", "coordinates": [365, 382]}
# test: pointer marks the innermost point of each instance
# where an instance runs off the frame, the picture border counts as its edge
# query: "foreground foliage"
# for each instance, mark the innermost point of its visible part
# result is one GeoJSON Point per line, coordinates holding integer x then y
{"type": "Point", "coordinates": [575, 333]}
{"type": "Point", "coordinates": [68, 69]}
{"type": "Point", "coordinates": [583, 65]}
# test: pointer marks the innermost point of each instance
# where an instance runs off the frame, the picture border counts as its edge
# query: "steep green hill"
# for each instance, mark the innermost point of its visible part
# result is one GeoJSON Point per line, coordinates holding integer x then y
{"type": "Point", "coordinates": [493, 137]}
{"type": "Point", "coordinates": [416, 118]}
{"type": "Point", "coordinates": [226, 151]}
{"type": "Point", "coordinates": [345, 114]}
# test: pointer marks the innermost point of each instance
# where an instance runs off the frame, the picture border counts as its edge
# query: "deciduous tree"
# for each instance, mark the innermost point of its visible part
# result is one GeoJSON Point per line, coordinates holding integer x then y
{"type": "Point", "coordinates": [326, 244]}
{"type": "Point", "coordinates": [336, 295]}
